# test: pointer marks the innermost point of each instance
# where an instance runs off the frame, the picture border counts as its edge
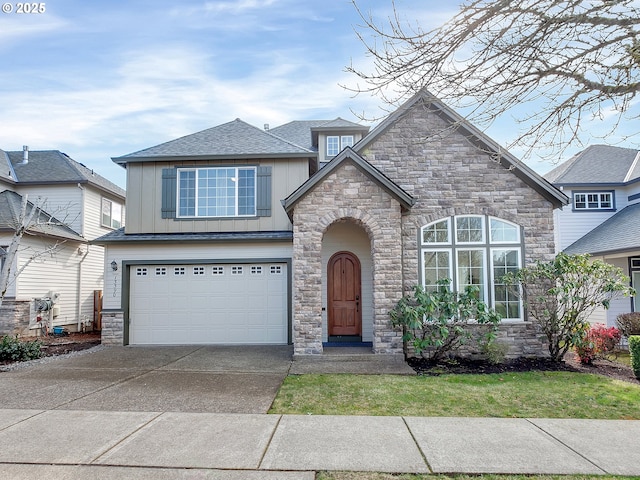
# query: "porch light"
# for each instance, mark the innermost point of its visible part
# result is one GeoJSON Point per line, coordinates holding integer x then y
{"type": "Point", "coordinates": [114, 266]}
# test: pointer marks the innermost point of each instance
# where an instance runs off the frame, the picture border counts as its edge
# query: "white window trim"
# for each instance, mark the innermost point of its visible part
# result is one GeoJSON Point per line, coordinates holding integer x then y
{"type": "Point", "coordinates": [519, 252]}
{"type": "Point", "coordinates": [427, 244]}
{"type": "Point", "coordinates": [586, 200]}
{"type": "Point", "coordinates": [111, 203]}
{"type": "Point", "coordinates": [504, 242]}
{"type": "Point", "coordinates": [435, 250]}
{"type": "Point", "coordinates": [236, 215]}
{"type": "Point", "coordinates": [484, 229]}
{"type": "Point", "coordinates": [484, 267]}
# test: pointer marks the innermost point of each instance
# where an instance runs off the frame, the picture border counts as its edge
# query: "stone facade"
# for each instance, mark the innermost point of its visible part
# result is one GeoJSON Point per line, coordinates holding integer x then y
{"type": "Point", "coordinates": [347, 194]}
{"type": "Point", "coordinates": [14, 317]}
{"type": "Point", "coordinates": [447, 175]}
{"type": "Point", "coordinates": [112, 328]}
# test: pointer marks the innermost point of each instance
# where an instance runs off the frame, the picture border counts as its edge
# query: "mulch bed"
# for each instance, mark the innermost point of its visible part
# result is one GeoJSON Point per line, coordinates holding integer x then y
{"type": "Point", "coordinates": [606, 368]}
{"type": "Point", "coordinates": [67, 343]}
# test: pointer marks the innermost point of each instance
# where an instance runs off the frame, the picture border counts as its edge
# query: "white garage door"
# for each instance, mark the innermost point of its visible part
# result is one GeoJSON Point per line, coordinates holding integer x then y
{"type": "Point", "coordinates": [208, 304]}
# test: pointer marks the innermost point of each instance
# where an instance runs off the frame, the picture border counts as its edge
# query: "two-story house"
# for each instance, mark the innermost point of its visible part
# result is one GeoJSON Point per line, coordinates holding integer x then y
{"type": "Point", "coordinates": [83, 206]}
{"type": "Point", "coordinates": [309, 233]}
{"type": "Point", "coordinates": [603, 218]}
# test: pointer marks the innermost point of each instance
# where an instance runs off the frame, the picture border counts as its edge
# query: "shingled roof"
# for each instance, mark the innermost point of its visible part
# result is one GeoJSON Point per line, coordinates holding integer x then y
{"type": "Point", "coordinates": [53, 167]}
{"type": "Point", "coordinates": [598, 165]}
{"type": "Point", "coordinates": [619, 233]}
{"type": "Point", "coordinates": [236, 139]}
{"type": "Point", "coordinates": [10, 207]}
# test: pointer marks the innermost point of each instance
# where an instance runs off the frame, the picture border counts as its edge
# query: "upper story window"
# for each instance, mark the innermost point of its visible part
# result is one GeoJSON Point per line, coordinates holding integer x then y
{"type": "Point", "coordinates": [111, 214]}
{"type": "Point", "coordinates": [336, 143]}
{"type": "Point", "coordinates": [593, 201]}
{"type": "Point", "coordinates": [217, 192]}
{"type": "Point", "coordinates": [474, 250]}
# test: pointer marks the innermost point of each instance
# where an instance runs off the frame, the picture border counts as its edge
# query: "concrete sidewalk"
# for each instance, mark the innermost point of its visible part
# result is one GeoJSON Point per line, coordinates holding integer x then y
{"type": "Point", "coordinates": [82, 444]}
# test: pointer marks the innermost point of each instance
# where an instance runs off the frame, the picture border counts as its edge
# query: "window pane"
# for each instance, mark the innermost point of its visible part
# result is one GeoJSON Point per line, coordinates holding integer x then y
{"type": "Point", "coordinates": [469, 229]}
{"type": "Point", "coordinates": [502, 232]}
{"type": "Point", "coordinates": [506, 301]}
{"type": "Point", "coordinates": [436, 232]}
{"type": "Point", "coordinates": [605, 200]}
{"type": "Point", "coordinates": [592, 200]}
{"type": "Point", "coordinates": [116, 215]}
{"type": "Point", "coordinates": [106, 212]}
{"type": "Point", "coordinates": [187, 193]}
{"type": "Point", "coordinates": [333, 146]}
{"type": "Point", "coordinates": [346, 141]}
{"type": "Point", "coordinates": [436, 267]}
{"type": "Point", "coordinates": [580, 200]}
{"type": "Point", "coordinates": [471, 270]}
{"type": "Point", "coordinates": [246, 192]}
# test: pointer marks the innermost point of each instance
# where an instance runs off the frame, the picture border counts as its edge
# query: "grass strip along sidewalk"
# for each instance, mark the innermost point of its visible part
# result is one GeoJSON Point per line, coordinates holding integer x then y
{"type": "Point", "coordinates": [528, 394]}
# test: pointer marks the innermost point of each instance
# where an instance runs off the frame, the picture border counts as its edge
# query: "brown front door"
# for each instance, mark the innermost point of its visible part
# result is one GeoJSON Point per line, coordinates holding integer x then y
{"type": "Point", "coordinates": [343, 294]}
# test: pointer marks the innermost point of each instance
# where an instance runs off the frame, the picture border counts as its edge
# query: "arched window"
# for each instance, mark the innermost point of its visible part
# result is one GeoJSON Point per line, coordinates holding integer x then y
{"type": "Point", "coordinates": [474, 250]}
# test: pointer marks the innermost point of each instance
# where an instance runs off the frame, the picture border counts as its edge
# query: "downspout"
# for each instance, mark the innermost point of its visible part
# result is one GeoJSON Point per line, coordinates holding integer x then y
{"type": "Point", "coordinates": [79, 307]}
{"type": "Point", "coordinates": [79, 286]}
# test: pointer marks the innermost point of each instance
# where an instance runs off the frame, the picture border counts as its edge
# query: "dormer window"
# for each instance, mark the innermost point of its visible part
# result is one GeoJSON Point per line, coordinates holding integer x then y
{"type": "Point", "coordinates": [336, 143]}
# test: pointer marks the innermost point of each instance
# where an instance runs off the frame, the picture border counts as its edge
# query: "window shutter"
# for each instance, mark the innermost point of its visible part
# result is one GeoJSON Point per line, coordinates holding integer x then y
{"type": "Point", "coordinates": [263, 202]}
{"type": "Point", "coordinates": [169, 176]}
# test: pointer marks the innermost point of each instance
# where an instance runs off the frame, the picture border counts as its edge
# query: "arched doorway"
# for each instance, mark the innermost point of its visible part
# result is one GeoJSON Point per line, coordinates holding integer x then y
{"type": "Point", "coordinates": [344, 292]}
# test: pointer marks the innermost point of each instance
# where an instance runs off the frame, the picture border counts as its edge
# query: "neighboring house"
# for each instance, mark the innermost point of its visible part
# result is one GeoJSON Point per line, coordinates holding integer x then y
{"type": "Point", "coordinates": [309, 233]}
{"type": "Point", "coordinates": [603, 218]}
{"type": "Point", "coordinates": [84, 206]}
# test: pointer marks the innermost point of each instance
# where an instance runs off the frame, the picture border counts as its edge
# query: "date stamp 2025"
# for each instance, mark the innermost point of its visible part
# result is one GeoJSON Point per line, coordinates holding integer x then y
{"type": "Point", "coordinates": [24, 8]}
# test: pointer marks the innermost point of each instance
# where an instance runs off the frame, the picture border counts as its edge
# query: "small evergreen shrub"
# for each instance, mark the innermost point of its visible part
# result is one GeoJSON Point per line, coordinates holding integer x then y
{"type": "Point", "coordinates": [437, 323]}
{"type": "Point", "coordinates": [13, 350]}
{"type": "Point", "coordinates": [598, 342]}
{"type": "Point", "coordinates": [634, 349]}
{"type": "Point", "coordinates": [629, 323]}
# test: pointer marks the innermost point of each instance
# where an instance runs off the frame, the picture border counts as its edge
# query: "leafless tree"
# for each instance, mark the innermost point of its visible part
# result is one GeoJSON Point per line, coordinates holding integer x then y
{"type": "Point", "coordinates": [32, 220]}
{"type": "Point", "coordinates": [551, 64]}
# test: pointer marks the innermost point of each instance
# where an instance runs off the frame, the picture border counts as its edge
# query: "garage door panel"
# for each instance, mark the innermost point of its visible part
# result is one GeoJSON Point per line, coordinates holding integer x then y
{"type": "Point", "coordinates": [208, 304]}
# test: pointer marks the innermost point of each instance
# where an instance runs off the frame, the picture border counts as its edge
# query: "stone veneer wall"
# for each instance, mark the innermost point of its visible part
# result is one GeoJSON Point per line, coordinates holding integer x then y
{"type": "Point", "coordinates": [346, 194]}
{"type": "Point", "coordinates": [112, 328]}
{"type": "Point", "coordinates": [14, 317]}
{"type": "Point", "coordinates": [448, 175]}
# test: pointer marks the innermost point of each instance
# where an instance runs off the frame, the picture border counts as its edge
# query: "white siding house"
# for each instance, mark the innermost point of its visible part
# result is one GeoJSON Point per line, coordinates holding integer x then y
{"type": "Point", "coordinates": [87, 206]}
{"type": "Point", "coordinates": [603, 218]}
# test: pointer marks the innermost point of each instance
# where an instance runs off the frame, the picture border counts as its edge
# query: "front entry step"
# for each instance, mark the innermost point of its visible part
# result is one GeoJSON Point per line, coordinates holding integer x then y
{"type": "Point", "coordinates": [357, 360]}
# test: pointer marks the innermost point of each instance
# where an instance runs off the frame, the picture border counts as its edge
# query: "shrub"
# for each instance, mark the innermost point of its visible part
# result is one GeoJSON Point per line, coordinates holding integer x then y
{"type": "Point", "coordinates": [562, 293]}
{"type": "Point", "coordinates": [629, 323]}
{"type": "Point", "coordinates": [598, 342]}
{"type": "Point", "coordinates": [437, 322]}
{"type": "Point", "coordinates": [634, 349]}
{"type": "Point", "coordinates": [12, 349]}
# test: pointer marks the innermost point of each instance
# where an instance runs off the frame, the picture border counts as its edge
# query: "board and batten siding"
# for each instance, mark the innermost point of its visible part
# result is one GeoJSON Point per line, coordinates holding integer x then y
{"type": "Point", "coordinates": [186, 253]}
{"type": "Point", "coordinates": [349, 237]}
{"type": "Point", "coordinates": [144, 198]}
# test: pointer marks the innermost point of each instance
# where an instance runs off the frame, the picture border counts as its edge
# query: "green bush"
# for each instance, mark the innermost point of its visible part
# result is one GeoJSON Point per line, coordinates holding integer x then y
{"type": "Point", "coordinates": [629, 323]}
{"type": "Point", "coordinates": [441, 321]}
{"type": "Point", "coordinates": [12, 349]}
{"type": "Point", "coordinates": [634, 349]}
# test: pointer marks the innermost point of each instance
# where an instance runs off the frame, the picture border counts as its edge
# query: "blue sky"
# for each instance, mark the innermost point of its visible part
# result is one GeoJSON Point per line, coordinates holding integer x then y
{"type": "Point", "coordinates": [102, 79]}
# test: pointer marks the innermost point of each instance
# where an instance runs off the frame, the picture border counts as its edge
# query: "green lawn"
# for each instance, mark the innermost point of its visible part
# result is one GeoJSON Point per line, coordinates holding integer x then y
{"type": "Point", "coordinates": [530, 394]}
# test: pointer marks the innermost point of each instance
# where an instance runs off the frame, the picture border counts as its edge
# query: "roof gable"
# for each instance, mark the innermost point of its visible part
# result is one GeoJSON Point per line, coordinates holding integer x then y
{"type": "Point", "coordinates": [473, 135]}
{"type": "Point", "coordinates": [230, 140]}
{"type": "Point", "coordinates": [598, 164]}
{"type": "Point", "coordinates": [349, 155]}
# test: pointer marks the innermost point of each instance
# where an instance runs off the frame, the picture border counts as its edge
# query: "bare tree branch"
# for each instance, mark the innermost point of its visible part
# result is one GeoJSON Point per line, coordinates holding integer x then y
{"type": "Point", "coordinates": [578, 60]}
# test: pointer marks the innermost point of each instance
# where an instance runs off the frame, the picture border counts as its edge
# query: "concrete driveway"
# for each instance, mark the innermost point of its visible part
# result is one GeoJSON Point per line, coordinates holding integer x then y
{"type": "Point", "coordinates": [213, 379]}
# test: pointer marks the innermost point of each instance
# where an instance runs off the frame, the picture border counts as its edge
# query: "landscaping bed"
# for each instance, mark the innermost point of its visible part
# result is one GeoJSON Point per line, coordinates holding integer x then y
{"type": "Point", "coordinates": [62, 344]}
{"type": "Point", "coordinates": [606, 368]}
